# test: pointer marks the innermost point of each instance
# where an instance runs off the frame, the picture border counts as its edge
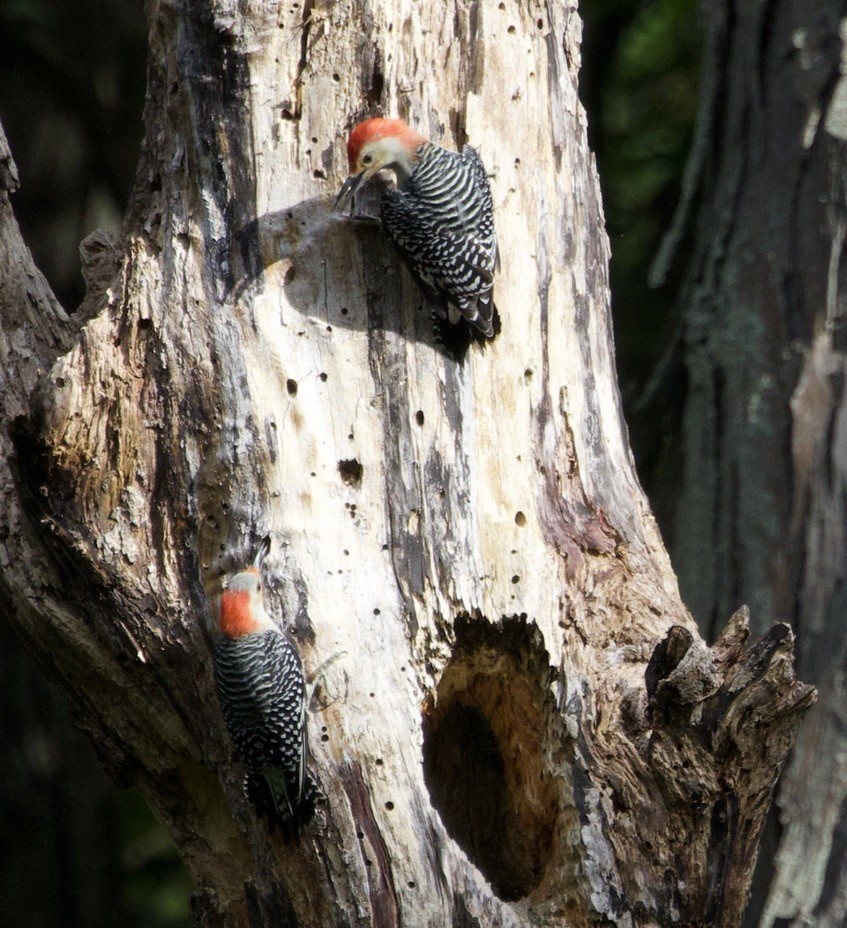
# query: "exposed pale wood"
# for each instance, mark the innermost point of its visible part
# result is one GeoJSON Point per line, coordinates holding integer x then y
{"type": "Point", "coordinates": [472, 534]}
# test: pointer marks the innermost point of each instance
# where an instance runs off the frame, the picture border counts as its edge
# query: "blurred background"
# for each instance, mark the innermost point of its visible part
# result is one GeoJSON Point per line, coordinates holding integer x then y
{"type": "Point", "coordinates": [74, 849]}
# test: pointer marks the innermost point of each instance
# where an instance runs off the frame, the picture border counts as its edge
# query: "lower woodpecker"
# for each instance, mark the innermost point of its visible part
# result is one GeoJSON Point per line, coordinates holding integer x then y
{"type": "Point", "coordinates": [262, 691]}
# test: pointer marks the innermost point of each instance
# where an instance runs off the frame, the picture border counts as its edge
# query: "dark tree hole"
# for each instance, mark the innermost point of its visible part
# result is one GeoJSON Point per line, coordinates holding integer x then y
{"type": "Point", "coordinates": [485, 753]}
{"type": "Point", "coordinates": [351, 472]}
{"type": "Point", "coordinates": [466, 776]}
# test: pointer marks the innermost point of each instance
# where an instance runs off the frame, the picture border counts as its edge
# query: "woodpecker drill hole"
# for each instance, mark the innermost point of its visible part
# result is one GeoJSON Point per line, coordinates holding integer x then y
{"type": "Point", "coordinates": [520, 519]}
{"type": "Point", "coordinates": [492, 753]}
{"type": "Point", "coordinates": [351, 472]}
{"type": "Point", "coordinates": [419, 417]}
{"type": "Point", "coordinates": [291, 386]}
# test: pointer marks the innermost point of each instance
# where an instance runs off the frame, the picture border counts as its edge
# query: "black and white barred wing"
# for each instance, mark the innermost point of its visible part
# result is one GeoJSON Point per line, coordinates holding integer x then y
{"type": "Point", "coordinates": [443, 224]}
{"type": "Point", "coordinates": [262, 692]}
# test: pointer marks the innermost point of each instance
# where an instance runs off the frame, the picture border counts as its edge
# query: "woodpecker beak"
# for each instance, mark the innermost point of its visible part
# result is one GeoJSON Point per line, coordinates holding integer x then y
{"type": "Point", "coordinates": [262, 553]}
{"type": "Point", "coordinates": [348, 189]}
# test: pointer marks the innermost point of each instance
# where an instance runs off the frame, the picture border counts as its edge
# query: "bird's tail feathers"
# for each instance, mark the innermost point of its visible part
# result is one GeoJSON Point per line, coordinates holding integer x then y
{"type": "Point", "coordinates": [481, 313]}
{"type": "Point", "coordinates": [272, 795]}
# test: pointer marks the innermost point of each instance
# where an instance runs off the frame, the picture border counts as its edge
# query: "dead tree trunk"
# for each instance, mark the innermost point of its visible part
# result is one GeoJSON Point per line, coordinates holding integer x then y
{"type": "Point", "coordinates": [761, 517]}
{"type": "Point", "coordinates": [526, 728]}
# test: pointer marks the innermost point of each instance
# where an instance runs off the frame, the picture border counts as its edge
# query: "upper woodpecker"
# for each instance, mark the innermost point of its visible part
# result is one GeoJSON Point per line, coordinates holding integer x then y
{"type": "Point", "coordinates": [262, 692]}
{"type": "Point", "coordinates": [440, 214]}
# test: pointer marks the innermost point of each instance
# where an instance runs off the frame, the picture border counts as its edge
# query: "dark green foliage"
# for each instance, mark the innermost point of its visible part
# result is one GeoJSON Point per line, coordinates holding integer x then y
{"type": "Point", "coordinates": [72, 76]}
{"type": "Point", "coordinates": [155, 887]}
{"type": "Point", "coordinates": [639, 85]}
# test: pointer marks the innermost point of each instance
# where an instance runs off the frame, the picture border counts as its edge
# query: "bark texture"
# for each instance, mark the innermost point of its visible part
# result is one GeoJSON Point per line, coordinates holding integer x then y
{"type": "Point", "coordinates": [762, 515]}
{"type": "Point", "coordinates": [526, 728]}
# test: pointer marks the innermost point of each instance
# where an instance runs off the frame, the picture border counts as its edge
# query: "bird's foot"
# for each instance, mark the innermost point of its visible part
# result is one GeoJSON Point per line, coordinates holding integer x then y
{"type": "Point", "coordinates": [316, 679]}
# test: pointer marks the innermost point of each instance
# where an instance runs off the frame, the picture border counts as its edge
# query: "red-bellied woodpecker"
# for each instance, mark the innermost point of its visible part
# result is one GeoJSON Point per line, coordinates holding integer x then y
{"type": "Point", "coordinates": [262, 692]}
{"type": "Point", "coordinates": [440, 214]}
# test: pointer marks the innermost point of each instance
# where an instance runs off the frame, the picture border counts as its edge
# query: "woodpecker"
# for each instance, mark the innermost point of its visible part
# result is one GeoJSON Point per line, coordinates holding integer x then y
{"type": "Point", "coordinates": [262, 691]}
{"type": "Point", "coordinates": [439, 215]}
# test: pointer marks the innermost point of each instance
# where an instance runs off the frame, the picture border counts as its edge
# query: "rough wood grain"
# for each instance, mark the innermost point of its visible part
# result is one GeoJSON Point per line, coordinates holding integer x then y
{"type": "Point", "coordinates": [472, 534]}
{"type": "Point", "coordinates": [761, 517]}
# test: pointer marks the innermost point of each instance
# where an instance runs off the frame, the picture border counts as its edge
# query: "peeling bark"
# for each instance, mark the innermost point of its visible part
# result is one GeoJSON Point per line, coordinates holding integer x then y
{"type": "Point", "coordinates": [526, 728]}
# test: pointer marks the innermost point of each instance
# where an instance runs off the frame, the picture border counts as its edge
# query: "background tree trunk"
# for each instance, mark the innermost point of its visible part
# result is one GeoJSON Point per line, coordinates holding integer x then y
{"type": "Point", "coordinates": [525, 713]}
{"type": "Point", "coordinates": [762, 518]}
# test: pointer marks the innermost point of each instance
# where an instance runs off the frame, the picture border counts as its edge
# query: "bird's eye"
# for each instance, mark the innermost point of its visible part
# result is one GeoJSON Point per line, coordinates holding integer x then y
{"type": "Point", "coordinates": [367, 159]}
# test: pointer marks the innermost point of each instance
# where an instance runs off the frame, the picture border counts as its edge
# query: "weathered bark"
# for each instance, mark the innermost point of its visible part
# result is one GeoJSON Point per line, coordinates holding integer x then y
{"type": "Point", "coordinates": [526, 728]}
{"type": "Point", "coordinates": [762, 517]}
